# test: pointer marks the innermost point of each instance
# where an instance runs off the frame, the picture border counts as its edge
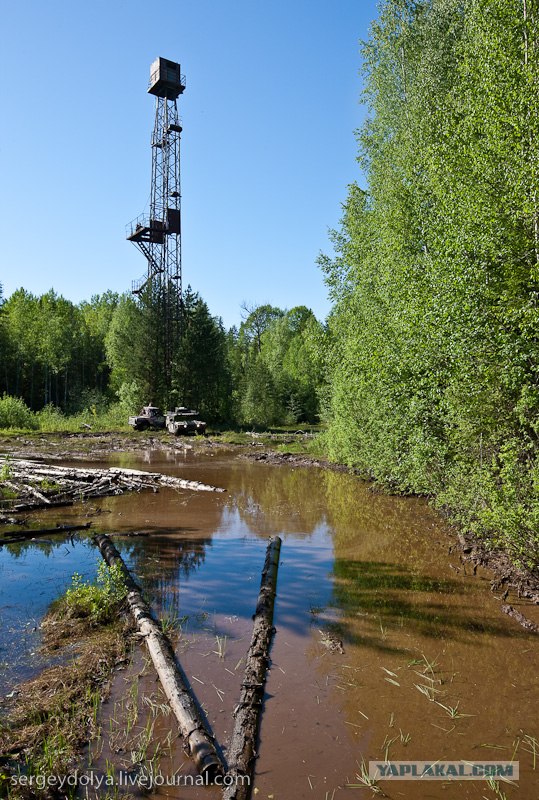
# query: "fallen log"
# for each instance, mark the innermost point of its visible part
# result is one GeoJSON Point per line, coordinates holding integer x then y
{"type": "Point", "coordinates": [166, 480]}
{"type": "Point", "coordinates": [32, 506]}
{"type": "Point", "coordinates": [198, 740]}
{"type": "Point", "coordinates": [520, 618]}
{"type": "Point", "coordinates": [19, 536]}
{"type": "Point", "coordinates": [242, 751]}
{"type": "Point", "coordinates": [27, 488]}
{"type": "Point", "coordinates": [466, 548]}
{"type": "Point", "coordinates": [40, 496]}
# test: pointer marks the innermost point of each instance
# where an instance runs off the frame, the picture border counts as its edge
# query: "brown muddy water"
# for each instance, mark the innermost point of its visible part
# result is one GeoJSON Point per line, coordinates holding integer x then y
{"type": "Point", "coordinates": [430, 669]}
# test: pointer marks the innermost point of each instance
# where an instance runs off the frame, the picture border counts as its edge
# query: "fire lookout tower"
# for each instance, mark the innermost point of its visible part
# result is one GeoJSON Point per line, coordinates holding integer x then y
{"type": "Point", "coordinates": [158, 235]}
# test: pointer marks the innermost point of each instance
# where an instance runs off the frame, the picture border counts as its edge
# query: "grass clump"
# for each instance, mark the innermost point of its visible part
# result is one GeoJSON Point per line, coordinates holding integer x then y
{"type": "Point", "coordinates": [97, 602]}
{"type": "Point", "coordinates": [55, 714]}
{"type": "Point", "coordinates": [308, 442]}
{"type": "Point", "coordinates": [5, 475]}
{"type": "Point", "coordinates": [95, 417]}
{"type": "Point", "coordinates": [16, 417]}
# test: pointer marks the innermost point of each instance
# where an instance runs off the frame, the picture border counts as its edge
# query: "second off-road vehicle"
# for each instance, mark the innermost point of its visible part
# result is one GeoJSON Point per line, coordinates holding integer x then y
{"type": "Point", "coordinates": [183, 421]}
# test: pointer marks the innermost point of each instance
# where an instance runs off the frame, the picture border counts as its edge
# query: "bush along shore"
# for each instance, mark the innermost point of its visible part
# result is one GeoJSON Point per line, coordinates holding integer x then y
{"type": "Point", "coordinates": [432, 362]}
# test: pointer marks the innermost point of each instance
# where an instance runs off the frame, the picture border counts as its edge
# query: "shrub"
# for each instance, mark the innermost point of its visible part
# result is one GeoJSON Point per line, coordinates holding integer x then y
{"type": "Point", "coordinates": [14, 413]}
{"type": "Point", "coordinates": [131, 397]}
{"type": "Point", "coordinates": [50, 418]}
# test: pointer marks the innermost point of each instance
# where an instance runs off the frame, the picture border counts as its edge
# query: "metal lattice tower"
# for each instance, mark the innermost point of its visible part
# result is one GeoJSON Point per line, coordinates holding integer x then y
{"type": "Point", "coordinates": [158, 235]}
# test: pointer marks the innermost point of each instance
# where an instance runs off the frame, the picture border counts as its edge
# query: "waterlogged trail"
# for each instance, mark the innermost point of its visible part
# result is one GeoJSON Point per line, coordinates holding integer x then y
{"type": "Point", "coordinates": [384, 647]}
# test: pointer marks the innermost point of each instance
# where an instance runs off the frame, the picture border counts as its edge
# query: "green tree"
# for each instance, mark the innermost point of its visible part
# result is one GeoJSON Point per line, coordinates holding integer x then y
{"type": "Point", "coordinates": [4, 347]}
{"type": "Point", "coordinates": [128, 349]}
{"type": "Point", "coordinates": [432, 339]}
{"type": "Point", "coordinates": [288, 356]}
{"type": "Point", "coordinates": [23, 364]}
{"type": "Point", "coordinates": [96, 318]}
{"type": "Point", "coordinates": [256, 322]}
{"type": "Point", "coordinates": [201, 377]}
{"type": "Point", "coordinates": [276, 372]}
{"type": "Point", "coordinates": [57, 327]}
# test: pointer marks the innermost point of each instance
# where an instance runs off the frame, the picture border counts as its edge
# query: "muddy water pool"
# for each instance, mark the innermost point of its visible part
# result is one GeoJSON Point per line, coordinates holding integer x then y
{"type": "Point", "coordinates": [384, 648]}
{"type": "Point", "coordinates": [32, 575]}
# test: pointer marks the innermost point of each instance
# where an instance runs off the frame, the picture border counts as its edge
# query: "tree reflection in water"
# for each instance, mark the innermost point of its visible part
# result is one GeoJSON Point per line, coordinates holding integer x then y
{"type": "Point", "coordinates": [161, 563]}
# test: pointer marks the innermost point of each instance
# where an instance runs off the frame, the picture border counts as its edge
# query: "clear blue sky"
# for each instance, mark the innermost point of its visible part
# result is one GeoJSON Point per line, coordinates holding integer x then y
{"type": "Point", "coordinates": [269, 112]}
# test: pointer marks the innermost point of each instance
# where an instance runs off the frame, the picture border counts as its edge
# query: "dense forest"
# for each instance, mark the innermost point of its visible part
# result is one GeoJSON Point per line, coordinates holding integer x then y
{"type": "Point", "coordinates": [58, 357]}
{"type": "Point", "coordinates": [433, 369]}
{"type": "Point", "coordinates": [426, 372]}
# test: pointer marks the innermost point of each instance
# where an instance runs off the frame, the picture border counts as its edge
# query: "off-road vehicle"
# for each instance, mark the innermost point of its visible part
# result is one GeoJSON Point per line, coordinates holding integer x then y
{"type": "Point", "coordinates": [149, 417]}
{"type": "Point", "coordinates": [183, 421]}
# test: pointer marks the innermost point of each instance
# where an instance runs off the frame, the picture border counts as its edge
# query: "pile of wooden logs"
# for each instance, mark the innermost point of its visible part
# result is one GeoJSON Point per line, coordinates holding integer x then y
{"type": "Point", "coordinates": [33, 484]}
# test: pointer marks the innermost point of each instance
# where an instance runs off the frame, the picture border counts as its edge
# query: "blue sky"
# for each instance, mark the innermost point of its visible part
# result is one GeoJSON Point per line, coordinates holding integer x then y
{"type": "Point", "coordinates": [268, 148]}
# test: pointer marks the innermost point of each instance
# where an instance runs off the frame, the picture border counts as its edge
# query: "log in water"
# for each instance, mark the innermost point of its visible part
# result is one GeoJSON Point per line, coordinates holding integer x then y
{"type": "Point", "coordinates": [21, 535]}
{"type": "Point", "coordinates": [520, 618]}
{"type": "Point", "coordinates": [242, 753]}
{"type": "Point", "coordinates": [199, 741]}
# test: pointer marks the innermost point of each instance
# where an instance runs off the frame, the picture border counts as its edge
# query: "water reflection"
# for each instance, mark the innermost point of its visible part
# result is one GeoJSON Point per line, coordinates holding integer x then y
{"type": "Point", "coordinates": [270, 499]}
{"type": "Point", "coordinates": [164, 564]}
{"type": "Point", "coordinates": [391, 594]}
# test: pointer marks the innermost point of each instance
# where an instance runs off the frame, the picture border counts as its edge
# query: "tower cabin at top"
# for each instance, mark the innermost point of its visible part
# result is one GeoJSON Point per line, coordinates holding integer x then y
{"type": "Point", "coordinates": [166, 79]}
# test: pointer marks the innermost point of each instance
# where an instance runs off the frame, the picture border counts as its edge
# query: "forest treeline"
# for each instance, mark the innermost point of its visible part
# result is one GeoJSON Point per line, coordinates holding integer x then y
{"type": "Point", "coordinates": [426, 371]}
{"type": "Point", "coordinates": [433, 368]}
{"type": "Point", "coordinates": [58, 357]}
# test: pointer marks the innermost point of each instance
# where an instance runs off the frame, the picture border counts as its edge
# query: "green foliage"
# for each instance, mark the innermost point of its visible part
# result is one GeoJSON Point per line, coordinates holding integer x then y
{"type": "Point", "coordinates": [5, 475]}
{"type": "Point", "coordinates": [51, 350]}
{"type": "Point", "coordinates": [50, 419]}
{"type": "Point", "coordinates": [71, 363]}
{"type": "Point", "coordinates": [14, 413]}
{"type": "Point", "coordinates": [432, 340]}
{"type": "Point", "coordinates": [275, 367]}
{"type": "Point", "coordinates": [99, 601]}
{"type": "Point", "coordinates": [130, 351]}
{"type": "Point", "coordinates": [201, 377]}
{"type": "Point", "coordinates": [97, 417]}
{"type": "Point", "coordinates": [131, 396]}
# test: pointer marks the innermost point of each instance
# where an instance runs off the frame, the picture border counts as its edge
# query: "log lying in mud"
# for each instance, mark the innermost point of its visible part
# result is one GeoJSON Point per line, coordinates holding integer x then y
{"type": "Point", "coordinates": [21, 535]}
{"type": "Point", "coordinates": [242, 752]}
{"type": "Point", "coordinates": [520, 618]}
{"type": "Point", "coordinates": [199, 741]}
{"type": "Point", "coordinates": [30, 482]}
{"type": "Point", "coordinates": [30, 506]}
